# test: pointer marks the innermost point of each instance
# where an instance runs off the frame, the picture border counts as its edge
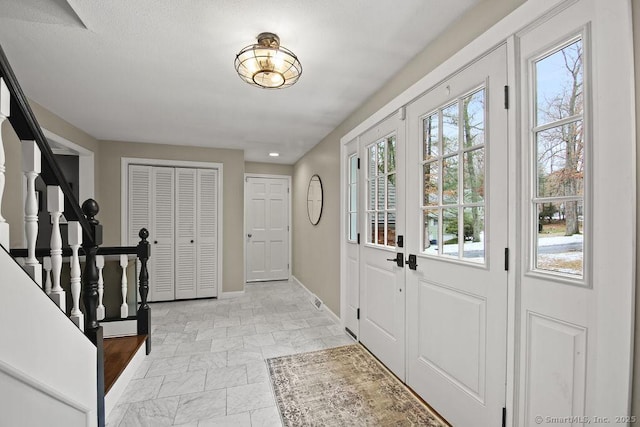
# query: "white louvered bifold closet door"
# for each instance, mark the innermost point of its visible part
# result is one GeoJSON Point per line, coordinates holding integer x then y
{"type": "Point", "coordinates": [186, 234]}
{"type": "Point", "coordinates": [162, 273]}
{"type": "Point", "coordinates": [139, 205]}
{"type": "Point", "coordinates": [207, 226]}
{"type": "Point", "coordinates": [139, 201]}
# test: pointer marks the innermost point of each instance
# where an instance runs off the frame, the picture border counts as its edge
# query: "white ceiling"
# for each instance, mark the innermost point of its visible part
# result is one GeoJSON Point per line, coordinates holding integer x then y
{"type": "Point", "coordinates": [162, 70]}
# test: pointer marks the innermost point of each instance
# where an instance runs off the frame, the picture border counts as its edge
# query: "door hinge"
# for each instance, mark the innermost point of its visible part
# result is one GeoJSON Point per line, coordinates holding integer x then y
{"type": "Point", "coordinates": [358, 162]}
{"type": "Point", "coordinates": [358, 238]}
{"type": "Point", "coordinates": [506, 97]}
{"type": "Point", "coordinates": [504, 417]}
{"type": "Point", "coordinates": [506, 259]}
{"type": "Point", "coordinates": [358, 314]}
{"type": "Point", "coordinates": [287, 228]}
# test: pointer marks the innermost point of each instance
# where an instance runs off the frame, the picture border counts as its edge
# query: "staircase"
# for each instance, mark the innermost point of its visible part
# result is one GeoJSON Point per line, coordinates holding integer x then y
{"type": "Point", "coordinates": [56, 367]}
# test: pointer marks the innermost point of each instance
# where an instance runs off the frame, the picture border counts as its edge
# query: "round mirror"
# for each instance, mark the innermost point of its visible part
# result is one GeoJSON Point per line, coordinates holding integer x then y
{"type": "Point", "coordinates": [314, 199]}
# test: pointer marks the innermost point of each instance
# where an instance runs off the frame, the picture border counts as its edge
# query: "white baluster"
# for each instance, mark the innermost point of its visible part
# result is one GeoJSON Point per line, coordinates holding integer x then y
{"type": "Point", "coordinates": [100, 310]}
{"type": "Point", "coordinates": [55, 206]}
{"type": "Point", "coordinates": [46, 264]}
{"type": "Point", "coordinates": [31, 168]}
{"type": "Point", "coordinates": [124, 308]}
{"type": "Point", "coordinates": [75, 241]}
{"type": "Point", "coordinates": [4, 113]}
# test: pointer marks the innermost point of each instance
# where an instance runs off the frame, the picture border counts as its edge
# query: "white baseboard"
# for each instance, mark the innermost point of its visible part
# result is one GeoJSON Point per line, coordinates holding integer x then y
{"type": "Point", "coordinates": [115, 393]}
{"type": "Point", "coordinates": [313, 296]}
{"type": "Point", "coordinates": [232, 294]}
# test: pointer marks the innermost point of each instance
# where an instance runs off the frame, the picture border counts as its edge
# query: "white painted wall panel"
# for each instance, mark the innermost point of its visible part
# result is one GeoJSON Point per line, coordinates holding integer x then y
{"type": "Point", "coordinates": [46, 353]}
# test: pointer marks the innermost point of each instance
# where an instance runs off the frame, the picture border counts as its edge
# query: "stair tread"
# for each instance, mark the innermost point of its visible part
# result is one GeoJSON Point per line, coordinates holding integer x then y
{"type": "Point", "coordinates": [118, 352]}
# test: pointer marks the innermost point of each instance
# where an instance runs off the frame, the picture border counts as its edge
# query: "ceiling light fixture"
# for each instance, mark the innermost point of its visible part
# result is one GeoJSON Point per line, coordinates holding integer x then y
{"type": "Point", "coordinates": [274, 154]}
{"type": "Point", "coordinates": [267, 64]}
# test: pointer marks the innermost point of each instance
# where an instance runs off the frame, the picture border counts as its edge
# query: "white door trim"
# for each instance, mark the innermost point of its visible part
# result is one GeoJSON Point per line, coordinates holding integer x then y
{"type": "Point", "coordinates": [124, 205]}
{"type": "Point", "coordinates": [244, 222]}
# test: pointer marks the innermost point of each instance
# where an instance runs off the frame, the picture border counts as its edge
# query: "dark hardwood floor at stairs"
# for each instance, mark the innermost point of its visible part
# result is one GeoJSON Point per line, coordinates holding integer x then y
{"type": "Point", "coordinates": [118, 352]}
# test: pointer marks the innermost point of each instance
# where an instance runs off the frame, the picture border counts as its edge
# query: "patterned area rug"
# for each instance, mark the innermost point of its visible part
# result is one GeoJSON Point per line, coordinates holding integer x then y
{"type": "Point", "coordinates": [344, 386]}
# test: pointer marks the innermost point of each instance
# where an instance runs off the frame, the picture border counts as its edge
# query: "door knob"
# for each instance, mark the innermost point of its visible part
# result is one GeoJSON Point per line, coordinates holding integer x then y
{"type": "Point", "coordinates": [249, 235]}
{"type": "Point", "coordinates": [155, 242]}
{"type": "Point", "coordinates": [192, 241]}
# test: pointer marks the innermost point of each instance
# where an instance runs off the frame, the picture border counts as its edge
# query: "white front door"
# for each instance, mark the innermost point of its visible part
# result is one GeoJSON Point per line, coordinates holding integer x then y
{"type": "Point", "coordinates": [577, 218]}
{"type": "Point", "coordinates": [382, 297]}
{"type": "Point", "coordinates": [457, 229]}
{"type": "Point", "coordinates": [267, 228]}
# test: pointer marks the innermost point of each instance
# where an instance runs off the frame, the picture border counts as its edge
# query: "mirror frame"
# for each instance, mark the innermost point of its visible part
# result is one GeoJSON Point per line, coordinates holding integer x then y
{"type": "Point", "coordinates": [315, 178]}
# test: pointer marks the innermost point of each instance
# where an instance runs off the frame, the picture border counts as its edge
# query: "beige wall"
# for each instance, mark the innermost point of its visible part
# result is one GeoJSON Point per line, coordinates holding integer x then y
{"type": "Point", "coordinates": [635, 406]}
{"type": "Point", "coordinates": [316, 250]}
{"type": "Point", "coordinates": [55, 124]}
{"type": "Point", "coordinates": [12, 207]}
{"type": "Point", "coordinates": [111, 153]}
{"type": "Point", "coordinates": [268, 168]}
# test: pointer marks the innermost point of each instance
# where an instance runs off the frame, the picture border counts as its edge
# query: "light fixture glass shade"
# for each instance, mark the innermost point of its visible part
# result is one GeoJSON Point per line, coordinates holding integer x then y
{"type": "Point", "coordinates": [267, 64]}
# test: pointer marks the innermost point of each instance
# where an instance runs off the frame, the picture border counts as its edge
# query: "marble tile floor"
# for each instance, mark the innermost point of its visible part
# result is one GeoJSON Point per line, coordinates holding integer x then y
{"type": "Point", "coordinates": [207, 365]}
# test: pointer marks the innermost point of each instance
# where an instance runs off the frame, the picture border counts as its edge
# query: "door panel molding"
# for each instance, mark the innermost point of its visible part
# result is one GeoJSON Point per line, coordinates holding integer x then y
{"type": "Point", "coordinates": [464, 345]}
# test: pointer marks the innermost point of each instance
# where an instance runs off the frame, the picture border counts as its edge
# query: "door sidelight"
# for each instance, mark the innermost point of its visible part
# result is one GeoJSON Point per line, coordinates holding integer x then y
{"type": "Point", "coordinates": [412, 262]}
{"type": "Point", "coordinates": [399, 259]}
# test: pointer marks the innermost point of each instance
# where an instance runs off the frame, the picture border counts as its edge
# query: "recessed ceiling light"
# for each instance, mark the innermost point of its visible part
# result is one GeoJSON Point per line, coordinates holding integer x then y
{"type": "Point", "coordinates": [274, 154]}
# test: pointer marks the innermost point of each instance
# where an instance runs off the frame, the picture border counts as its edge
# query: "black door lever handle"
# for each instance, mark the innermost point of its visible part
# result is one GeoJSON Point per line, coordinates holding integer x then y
{"type": "Point", "coordinates": [399, 259]}
{"type": "Point", "coordinates": [412, 262]}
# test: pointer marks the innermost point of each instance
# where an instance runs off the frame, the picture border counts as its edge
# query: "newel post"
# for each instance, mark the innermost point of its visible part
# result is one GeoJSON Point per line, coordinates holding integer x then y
{"type": "Point", "coordinates": [90, 276]}
{"type": "Point", "coordinates": [144, 311]}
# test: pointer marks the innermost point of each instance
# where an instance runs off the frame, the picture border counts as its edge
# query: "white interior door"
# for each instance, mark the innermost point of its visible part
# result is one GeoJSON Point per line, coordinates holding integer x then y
{"type": "Point", "coordinates": [352, 237]}
{"type": "Point", "coordinates": [267, 227]}
{"type": "Point", "coordinates": [457, 227]}
{"type": "Point", "coordinates": [207, 274]}
{"type": "Point", "coordinates": [382, 297]}
{"type": "Point", "coordinates": [186, 233]}
{"type": "Point", "coordinates": [162, 260]}
{"type": "Point", "coordinates": [578, 213]}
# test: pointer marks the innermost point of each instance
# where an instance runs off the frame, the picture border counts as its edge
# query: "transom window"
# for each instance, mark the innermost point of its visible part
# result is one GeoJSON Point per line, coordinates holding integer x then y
{"type": "Point", "coordinates": [353, 198]}
{"type": "Point", "coordinates": [453, 206]}
{"type": "Point", "coordinates": [381, 194]}
{"type": "Point", "coordinates": [559, 145]}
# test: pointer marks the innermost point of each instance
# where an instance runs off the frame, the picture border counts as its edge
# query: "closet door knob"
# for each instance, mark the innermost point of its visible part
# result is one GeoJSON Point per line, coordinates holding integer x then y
{"type": "Point", "coordinates": [155, 242]}
{"type": "Point", "coordinates": [192, 241]}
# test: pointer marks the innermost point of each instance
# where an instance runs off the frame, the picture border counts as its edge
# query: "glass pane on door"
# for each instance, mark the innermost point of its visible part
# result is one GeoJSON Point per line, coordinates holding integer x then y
{"type": "Point", "coordinates": [453, 179]}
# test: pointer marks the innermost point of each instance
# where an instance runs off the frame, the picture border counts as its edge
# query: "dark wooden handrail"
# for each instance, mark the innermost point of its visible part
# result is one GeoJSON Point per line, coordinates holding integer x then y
{"type": "Point", "coordinates": [66, 251]}
{"type": "Point", "coordinates": [26, 126]}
